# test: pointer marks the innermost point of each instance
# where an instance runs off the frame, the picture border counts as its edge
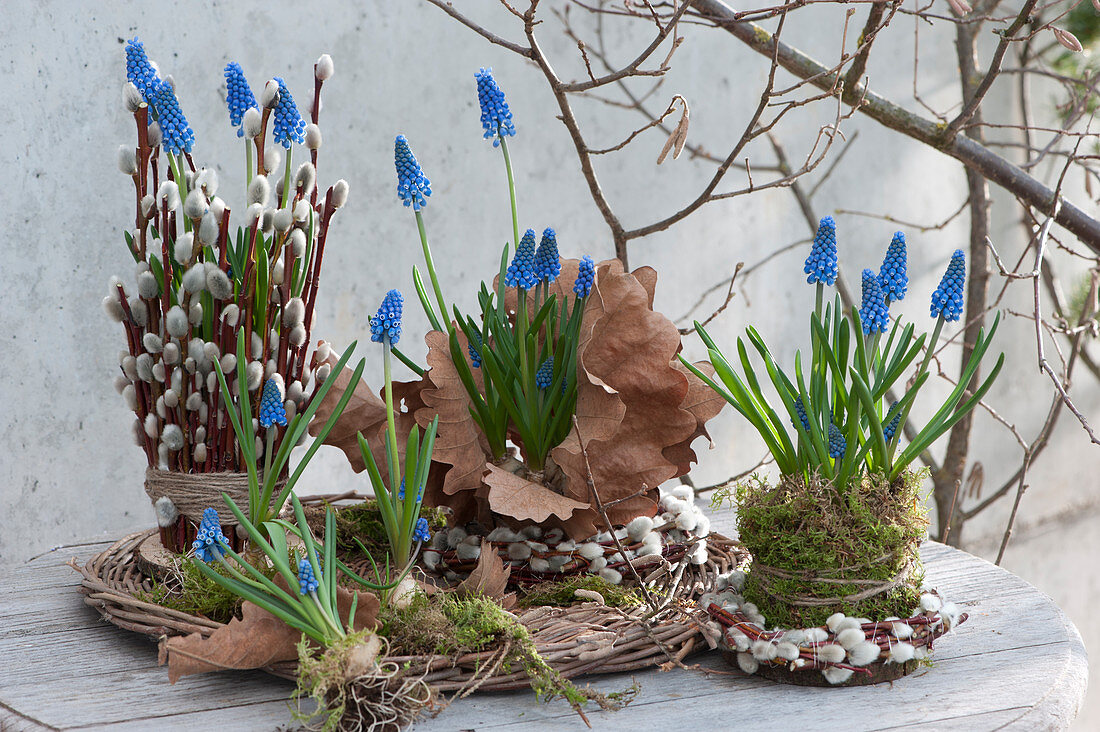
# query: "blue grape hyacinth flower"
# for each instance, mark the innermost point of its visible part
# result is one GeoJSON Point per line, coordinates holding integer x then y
{"type": "Point", "coordinates": [210, 542]}
{"type": "Point", "coordinates": [586, 277]}
{"type": "Point", "coordinates": [800, 409]}
{"type": "Point", "coordinates": [821, 265]}
{"type": "Point", "coordinates": [177, 133]}
{"type": "Point", "coordinates": [547, 260]}
{"type": "Point", "coordinates": [873, 313]}
{"type": "Point", "coordinates": [496, 118]}
{"type": "Point", "coordinates": [288, 125]}
{"type": "Point", "coordinates": [238, 95]}
{"type": "Point", "coordinates": [385, 326]}
{"type": "Point", "coordinates": [545, 375]}
{"type": "Point", "coordinates": [421, 533]}
{"type": "Point", "coordinates": [139, 70]}
{"type": "Point", "coordinates": [474, 347]}
{"type": "Point", "coordinates": [837, 443]}
{"type": "Point", "coordinates": [272, 410]}
{"type": "Point", "coordinates": [892, 426]}
{"type": "Point", "coordinates": [947, 300]}
{"type": "Point", "coordinates": [307, 581]}
{"type": "Point", "coordinates": [521, 272]}
{"type": "Point", "coordinates": [412, 187]}
{"type": "Point", "coordinates": [891, 275]}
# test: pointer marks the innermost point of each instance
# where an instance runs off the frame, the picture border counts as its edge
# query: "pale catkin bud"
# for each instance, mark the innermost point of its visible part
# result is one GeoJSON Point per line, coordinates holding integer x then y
{"type": "Point", "coordinates": [323, 352]}
{"type": "Point", "coordinates": [129, 368]}
{"type": "Point", "coordinates": [196, 352]}
{"type": "Point", "coordinates": [305, 178]}
{"type": "Point", "coordinates": [278, 188]}
{"type": "Point", "coordinates": [204, 412]}
{"type": "Point", "coordinates": [340, 193]}
{"type": "Point", "coordinates": [156, 136]}
{"type": "Point", "coordinates": [199, 435]}
{"type": "Point", "coordinates": [228, 363]}
{"type": "Point", "coordinates": [147, 204]}
{"type": "Point", "coordinates": [267, 225]}
{"type": "Point", "coordinates": [147, 285]}
{"type": "Point", "coordinates": [195, 316]}
{"type": "Point", "coordinates": [313, 137]}
{"type": "Point", "coordinates": [171, 354]}
{"type": "Point", "coordinates": [277, 278]}
{"type": "Point", "coordinates": [302, 208]}
{"type": "Point", "coordinates": [291, 408]}
{"type": "Point", "coordinates": [199, 453]}
{"type": "Point", "coordinates": [217, 207]}
{"type": "Point", "coordinates": [207, 180]}
{"type": "Point", "coordinates": [208, 229]}
{"type": "Point", "coordinates": [231, 315]}
{"type": "Point", "coordinates": [121, 382]}
{"type": "Point", "coordinates": [127, 160]}
{"type": "Point", "coordinates": [171, 398]}
{"type": "Point", "coordinates": [176, 322]}
{"type": "Point", "coordinates": [139, 311]}
{"type": "Point", "coordinates": [194, 401]}
{"type": "Point", "coordinates": [294, 312]}
{"type": "Point", "coordinates": [158, 371]}
{"type": "Point", "coordinates": [257, 345]}
{"type": "Point", "coordinates": [298, 243]}
{"type": "Point", "coordinates": [297, 335]}
{"type": "Point", "coordinates": [113, 308]}
{"type": "Point", "coordinates": [172, 437]}
{"type": "Point", "coordinates": [218, 283]}
{"type": "Point", "coordinates": [282, 219]}
{"type": "Point", "coordinates": [184, 248]}
{"type": "Point", "coordinates": [151, 425]}
{"type": "Point", "coordinates": [212, 385]}
{"type": "Point", "coordinates": [259, 446]}
{"type": "Point", "coordinates": [273, 156]}
{"type": "Point", "coordinates": [189, 365]}
{"type": "Point", "coordinates": [194, 206]}
{"type": "Point", "coordinates": [258, 191]}
{"type": "Point", "coordinates": [162, 456]}
{"type": "Point", "coordinates": [254, 375]}
{"type": "Point", "coordinates": [324, 68]}
{"type": "Point", "coordinates": [169, 195]}
{"type": "Point", "coordinates": [152, 343]}
{"type": "Point", "coordinates": [194, 279]}
{"type": "Point", "coordinates": [269, 369]}
{"type": "Point", "coordinates": [211, 352]}
{"type": "Point", "coordinates": [269, 97]}
{"type": "Point", "coordinates": [323, 372]}
{"type": "Point", "coordinates": [254, 214]}
{"type": "Point", "coordinates": [144, 366]}
{"type": "Point", "coordinates": [177, 380]}
{"type": "Point", "coordinates": [129, 396]}
{"type": "Point", "coordinates": [273, 339]}
{"type": "Point", "coordinates": [131, 97]}
{"type": "Point", "coordinates": [252, 123]}
{"type": "Point", "coordinates": [294, 392]}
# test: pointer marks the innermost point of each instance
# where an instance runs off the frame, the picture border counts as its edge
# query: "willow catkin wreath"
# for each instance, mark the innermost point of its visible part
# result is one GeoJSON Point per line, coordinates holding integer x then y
{"type": "Point", "coordinates": [587, 638]}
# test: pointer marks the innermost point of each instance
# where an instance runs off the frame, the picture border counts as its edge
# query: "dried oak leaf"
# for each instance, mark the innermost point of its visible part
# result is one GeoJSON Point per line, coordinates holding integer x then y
{"type": "Point", "coordinates": [258, 639]}
{"type": "Point", "coordinates": [488, 578]}
{"type": "Point", "coordinates": [524, 500]}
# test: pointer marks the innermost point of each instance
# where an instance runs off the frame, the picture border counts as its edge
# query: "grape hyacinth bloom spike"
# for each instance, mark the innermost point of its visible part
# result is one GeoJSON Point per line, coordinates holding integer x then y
{"type": "Point", "coordinates": [800, 409]}
{"type": "Point", "coordinates": [139, 71]}
{"type": "Point", "coordinates": [947, 300]}
{"type": "Point", "coordinates": [873, 313]}
{"type": "Point", "coordinates": [412, 187]}
{"type": "Point", "coordinates": [821, 265]}
{"type": "Point", "coordinates": [178, 136]}
{"type": "Point", "coordinates": [307, 581]}
{"type": "Point", "coordinates": [474, 347]}
{"type": "Point", "coordinates": [837, 443]}
{"type": "Point", "coordinates": [545, 375]}
{"type": "Point", "coordinates": [385, 326]}
{"type": "Point", "coordinates": [521, 272]}
{"type": "Point", "coordinates": [238, 95]}
{"type": "Point", "coordinates": [272, 410]}
{"type": "Point", "coordinates": [496, 118]}
{"type": "Point", "coordinates": [892, 426]}
{"type": "Point", "coordinates": [547, 260]}
{"type": "Point", "coordinates": [586, 277]}
{"type": "Point", "coordinates": [210, 542]}
{"type": "Point", "coordinates": [288, 125]}
{"type": "Point", "coordinates": [891, 276]}
{"type": "Point", "coordinates": [421, 533]}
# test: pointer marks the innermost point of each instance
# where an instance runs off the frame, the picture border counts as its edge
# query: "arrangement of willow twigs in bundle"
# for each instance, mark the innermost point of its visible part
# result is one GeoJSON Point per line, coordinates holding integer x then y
{"type": "Point", "coordinates": [199, 283]}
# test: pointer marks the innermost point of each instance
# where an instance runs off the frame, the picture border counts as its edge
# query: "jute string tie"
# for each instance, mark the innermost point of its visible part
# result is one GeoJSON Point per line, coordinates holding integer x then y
{"type": "Point", "coordinates": [192, 493]}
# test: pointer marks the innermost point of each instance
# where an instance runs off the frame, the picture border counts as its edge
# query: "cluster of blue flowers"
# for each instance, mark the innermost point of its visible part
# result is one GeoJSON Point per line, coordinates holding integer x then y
{"type": "Point", "coordinates": [547, 262]}
{"type": "Point", "coordinates": [139, 71]}
{"type": "Point", "coordinates": [288, 124]}
{"type": "Point", "coordinates": [272, 410]}
{"type": "Point", "coordinates": [947, 300]}
{"type": "Point", "coordinates": [837, 443]}
{"type": "Point", "coordinates": [238, 95]}
{"type": "Point", "coordinates": [521, 272]}
{"type": "Point", "coordinates": [891, 275]}
{"type": "Point", "coordinates": [892, 426]}
{"type": "Point", "coordinates": [496, 118]}
{"type": "Point", "coordinates": [800, 408]}
{"type": "Point", "coordinates": [821, 265]}
{"type": "Point", "coordinates": [177, 133]}
{"type": "Point", "coordinates": [873, 312]}
{"type": "Point", "coordinates": [412, 187]}
{"type": "Point", "coordinates": [307, 581]}
{"type": "Point", "coordinates": [586, 277]}
{"type": "Point", "coordinates": [545, 375]}
{"type": "Point", "coordinates": [386, 325]}
{"type": "Point", "coordinates": [421, 533]}
{"type": "Point", "coordinates": [474, 347]}
{"type": "Point", "coordinates": [210, 542]}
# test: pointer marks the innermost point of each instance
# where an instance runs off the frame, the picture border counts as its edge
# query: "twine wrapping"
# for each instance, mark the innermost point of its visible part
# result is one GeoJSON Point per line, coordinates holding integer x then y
{"type": "Point", "coordinates": [191, 493]}
{"type": "Point", "coordinates": [765, 576]}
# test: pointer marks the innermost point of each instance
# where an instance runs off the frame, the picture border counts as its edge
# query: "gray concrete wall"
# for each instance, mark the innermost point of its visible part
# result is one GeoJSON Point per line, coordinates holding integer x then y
{"type": "Point", "coordinates": [68, 469]}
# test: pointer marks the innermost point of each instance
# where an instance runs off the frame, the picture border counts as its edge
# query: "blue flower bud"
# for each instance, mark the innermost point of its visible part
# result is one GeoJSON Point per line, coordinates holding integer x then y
{"type": "Point", "coordinates": [800, 409]}
{"type": "Point", "coordinates": [891, 276]}
{"type": "Point", "coordinates": [385, 326]}
{"type": "Point", "coordinates": [178, 136]}
{"type": "Point", "coordinates": [873, 313]}
{"type": "Point", "coordinates": [547, 261]}
{"type": "Point", "coordinates": [545, 375]}
{"type": "Point", "coordinates": [496, 118]}
{"type": "Point", "coordinates": [307, 581]}
{"type": "Point", "coordinates": [209, 542]}
{"type": "Point", "coordinates": [412, 187]}
{"type": "Point", "coordinates": [521, 272]}
{"type": "Point", "coordinates": [474, 347]}
{"type": "Point", "coordinates": [288, 125]}
{"type": "Point", "coordinates": [139, 71]}
{"type": "Point", "coordinates": [837, 443]}
{"type": "Point", "coordinates": [586, 277]}
{"type": "Point", "coordinates": [272, 410]}
{"type": "Point", "coordinates": [238, 95]}
{"type": "Point", "coordinates": [947, 300]}
{"type": "Point", "coordinates": [821, 265]}
{"type": "Point", "coordinates": [421, 533]}
{"type": "Point", "coordinates": [892, 427]}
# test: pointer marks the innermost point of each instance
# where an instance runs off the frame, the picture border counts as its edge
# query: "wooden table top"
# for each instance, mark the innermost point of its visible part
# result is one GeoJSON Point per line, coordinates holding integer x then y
{"type": "Point", "coordinates": [1017, 663]}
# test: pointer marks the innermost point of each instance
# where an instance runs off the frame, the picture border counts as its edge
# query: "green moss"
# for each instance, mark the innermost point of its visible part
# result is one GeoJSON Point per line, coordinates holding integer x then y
{"type": "Point", "coordinates": [190, 591]}
{"type": "Point", "coordinates": [562, 593]}
{"type": "Point", "coordinates": [869, 532]}
{"type": "Point", "coordinates": [363, 521]}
